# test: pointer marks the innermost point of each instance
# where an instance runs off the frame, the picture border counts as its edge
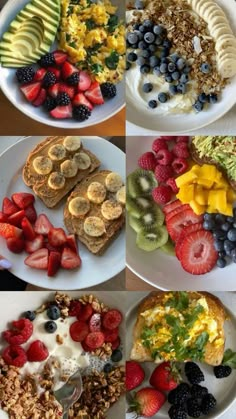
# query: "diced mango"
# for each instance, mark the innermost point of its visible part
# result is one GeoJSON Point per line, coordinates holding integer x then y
{"type": "Point", "coordinates": [217, 199]}
{"type": "Point", "coordinates": [205, 182]}
{"type": "Point", "coordinates": [186, 193]}
{"type": "Point", "coordinates": [186, 178]}
{"type": "Point", "coordinates": [221, 184]}
{"type": "Point", "coordinates": [196, 169]}
{"type": "Point", "coordinates": [231, 195]}
{"type": "Point", "coordinates": [197, 209]}
{"type": "Point", "coordinates": [201, 195]}
{"type": "Point", "coordinates": [210, 209]}
{"type": "Point", "coordinates": [208, 171]}
{"type": "Point", "coordinates": [229, 210]}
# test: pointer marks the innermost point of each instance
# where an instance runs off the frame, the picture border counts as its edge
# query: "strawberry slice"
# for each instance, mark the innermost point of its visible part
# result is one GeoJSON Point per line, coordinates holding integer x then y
{"type": "Point", "coordinates": [78, 331]}
{"type": "Point", "coordinates": [68, 69]}
{"type": "Point", "coordinates": [62, 112]}
{"type": "Point", "coordinates": [80, 99]}
{"type": "Point", "coordinates": [8, 207]}
{"type": "Point", "coordinates": [55, 71]}
{"type": "Point", "coordinates": [115, 344]}
{"type": "Point", "coordinates": [75, 307]}
{"type": "Point", "coordinates": [171, 206]}
{"type": "Point", "coordinates": [112, 319]}
{"type": "Point", "coordinates": [15, 244]}
{"type": "Point", "coordinates": [176, 211]}
{"type": "Point", "coordinates": [57, 237]}
{"type": "Point", "coordinates": [4, 218]}
{"type": "Point", "coordinates": [27, 228]}
{"type": "Point", "coordinates": [111, 335]}
{"type": "Point", "coordinates": [95, 340]}
{"type": "Point", "coordinates": [38, 259]}
{"type": "Point", "coordinates": [31, 90]}
{"type": "Point", "coordinates": [52, 248]}
{"type": "Point", "coordinates": [31, 214]}
{"type": "Point", "coordinates": [70, 90]}
{"type": "Point", "coordinates": [32, 245]}
{"type": "Point", "coordinates": [94, 94]}
{"type": "Point", "coordinates": [181, 220]}
{"type": "Point", "coordinates": [69, 259]}
{"type": "Point", "coordinates": [60, 57]}
{"type": "Point", "coordinates": [40, 73]}
{"type": "Point", "coordinates": [15, 219]}
{"type": "Point", "coordinates": [23, 199]}
{"type": "Point", "coordinates": [84, 81]}
{"type": "Point", "coordinates": [85, 313]}
{"type": "Point", "coordinates": [40, 99]}
{"type": "Point", "coordinates": [71, 241]}
{"type": "Point", "coordinates": [7, 230]}
{"type": "Point", "coordinates": [42, 225]}
{"type": "Point", "coordinates": [95, 323]}
{"type": "Point", "coordinates": [184, 233]}
{"type": "Point", "coordinates": [54, 90]}
{"type": "Point", "coordinates": [54, 263]}
{"type": "Point", "coordinates": [198, 255]}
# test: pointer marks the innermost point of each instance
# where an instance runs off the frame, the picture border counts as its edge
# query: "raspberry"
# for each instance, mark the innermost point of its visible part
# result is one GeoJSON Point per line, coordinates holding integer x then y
{"type": "Point", "coordinates": [164, 157]}
{"type": "Point", "coordinates": [182, 139]}
{"type": "Point", "coordinates": [181, 150]}
{"type": "Point", "coordinates": [172, 183]}
{"type": "Point", "coordinates": [162, 194]}
{"type": "Point", "coordinates": [75, 308]}
{"type": "Point", "coordinates": [14, 355]}
{"type": "Point", "coordinates": [37, 351]}
{"type": "Point", "coordinates": [162, 173]}
{"type": "Point", "coordinates": [179, 165]}
{"type": "Point", "coordinates": [169, 137]}
{"type": "Point", "coordinates": [147, 161]}
{"type": "Point", "coordinates": [20, 333]}
{"type": "Point", "coordinates": [159, 144]}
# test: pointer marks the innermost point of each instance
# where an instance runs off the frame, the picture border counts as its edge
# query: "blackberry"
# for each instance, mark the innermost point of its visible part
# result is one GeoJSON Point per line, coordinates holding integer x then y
{"type": "Point", "coordinates": [30, 315]}
{"type": "Point", "coordinates": [50, 103]}
{"type": "Point", "coordinates": [25, 74]}
{"type": "Point", "coordinates": [222, 371]}
{"type": "Point", "coordinates": [193, 373]}
{"type": "Point", "coordinates": [108, 90]}
{"type": "Point", "coordinates": [180, 394]}
{"type": "Point", "coordinates": [208, 403]}
{"type": "Point", "coordinates": [73, 79]}
{"type": "Point", "coordinates": [63, 99]}
{"type": "Point", "coordinates": [177, 412]}
{"type": "Point", "coordinates": [49, 79]}
{"type": "Point", "coordinates": [47, 60]}
{"type": "Point", "coordinates": [81, 113]}
{"type": "Point", "coordinates": [193, 408]}
{"type": "Point", "coordinates": [198, 391]}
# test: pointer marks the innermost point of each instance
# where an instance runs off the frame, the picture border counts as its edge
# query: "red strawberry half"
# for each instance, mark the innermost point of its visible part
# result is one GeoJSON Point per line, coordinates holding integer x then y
{"type": "Point", "coordinates": [181, 220]}
{"type": "Point", "coordinates": [7, 230]}
{"type": "Point", "coordinates": [40, 99]}
{"type": "Point", "coordinates": [147, 402]}
{"type": "Point", "coordinates": [69, 259]}
{"type": "Point", "coordinates": [171, 206]}
{"type": "Point", "coordinates": [94, 94]}
{"type": "Point", "coordinates": [38, 259]}
{"type": "Point", "coordinates": [176, 211]}
{"type": "Point", "coordinates": [60, 57]}
{"type": "Point", "coordinates": [42, 225]}
{"type": "Point", "coordinates": [134, 375]}
{"type": "Point", "coordinates": [32, 245]}
{"type": "Point", "coordinates": [62, 112]}
{"type": "Point", "coordinates": [31, 90]}
{"type": "Point", "coordinates": [80, 99]}
{"type": "Point", "coordinates": [15, 245]}
{"type": "Point", "coordinates": [68, 69]}
{"type": "Point", "coordinates": [8, 207]}
{"type": "Point", "coordinates": [57, 237]}
{"type": "Point", "coordinates": [15, 219]}
{"type": "Point", "coordinates": [27, 228]}
{"type": "Point", "coordinates": [23, 199]}
{"type": "Point", "coordinates": [84, 81]}
{"type": "Point", "coordinates": [184, 233]}
{"type": "Point", "coordinates": [54, 263]}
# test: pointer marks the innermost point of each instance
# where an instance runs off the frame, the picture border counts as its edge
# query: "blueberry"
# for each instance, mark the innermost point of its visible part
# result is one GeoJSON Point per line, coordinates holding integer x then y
{"type": "Point", "coordinates": [147, 87]}
{"type": "Point", "coordinates": [132, 57]}
{"type": "Point", "coordinates": [139, 35]}
{"type": "Point", "coordinates": [107, 368]}
{"type": "Point", "coordinates": [157, 71]}
{"type": "Point", "coordinates": [149, 37]}
{"type": "Point", "coordinates": [230, 220]}
{"type": "Point", "coordinates": [225, 226]}
{"type": "Point", "coordinates": [209, 216]}
{"type": "Point", "coordinates": [219, 234]}
{"type": "Point", "coordinates": [205, 68]}
{"type": "Point", "coordinates": [221, 263]}
{"type": "Point", "coordinates": [180, 63]}
{"type": "Point", "coordinates": [30, 315]}
{"type": "Point", "coordinates": [136, 26]}
{"type": "Point", "coordinates": [228, 246]}
{"type": "Point", "coordinates": [234, 212]}
{"type": "Point", "coordinates": [173, 89]}
{"type": "Point", "coordinates": [158, 41]}
{"type": "Point", "coordinates": [186, 69]}
{"type": "Point", "coordinates": [142, 28]}
{"type": "Point", "coordinates": [213, 98]}
{"type": "Point", "coordinates": [152, 104]}
{"type": "Point", "coordinates": [168, 78]}
{"type": "Point", "coordinates": [50, 326]}
{"type": "Point", "coordinates": [198, 106]}
{"type": "Point", "coordinates": [231, 235]}
{"type": "Point", "coordinates": [162, 97]}
{"type": "Point", "coordinates": [139, 4]}
{"type": "Point", "coordinates": [116, 355]}
{"type": "Point", "coordinates": [184, 78]}
{"type": "Point", "coordinates": [171, 67]}
{"type": "Point", "coordinates": [209, 224]}
{"type": "Point", "coordinates": [175, 75]}
{"type": "Point", "coordinates": [53, 312]}
{"type": "Point", "coordinates": [142, 45]}
{"type": "Point", "coordinates": [233, 255]}
{"type": "Point", "coordinates": [132, 38]}
{"type": "Point", "coordinates": [148, 24]}
{"type": "Point", "coordinates": [219, 245]}
{"type": "Point", "coordinates": [181, 87]}
{"type": "Point", "coordinates": [174, 57]}
{"type": "Point", "coordinates": [220, 218]}
{"type": "Point", "coordinates": [158, 30]}
{"type": "Point", "coordinates": [128, 65]}
{"type": "Point", "coordinates": [167, 43]}
{"type": "Point", "coordinates": [145, 53]}
{"type": "Point", "coordinates": [222, 254]}
{"type": "Point", "coordinates": [164, 60]}
{"type": "Point", "coordinates": [202, 98]}
{"type": "Point", "coordinates": [154, 61]}
{"type": "Point", "coordinates": [141, 61]}
{"type": "Point", "coordinates": [164, 52]}
{"type": "Point", "coordinates": [163, 68]}
{"type": "Point", "coordinates": [152, 48]}
{"type": "Point", "coordinates": [144, 69]}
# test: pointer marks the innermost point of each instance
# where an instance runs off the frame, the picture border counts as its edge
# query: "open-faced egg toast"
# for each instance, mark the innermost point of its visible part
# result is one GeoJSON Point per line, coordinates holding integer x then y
{"type": "Point", "coordinates": [179, 326]}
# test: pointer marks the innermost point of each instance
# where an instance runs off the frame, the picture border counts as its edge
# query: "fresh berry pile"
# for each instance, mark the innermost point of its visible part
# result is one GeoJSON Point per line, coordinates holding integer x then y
{"type": "Point", "coordinates": [61, 89]}
{"type": "Point", "coordinates": [49, 248]}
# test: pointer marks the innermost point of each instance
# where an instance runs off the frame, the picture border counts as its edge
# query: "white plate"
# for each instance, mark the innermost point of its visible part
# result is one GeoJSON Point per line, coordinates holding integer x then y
{"type": "Point", "coordinates": [157, 268]}
{"type": "Point", "coordinates": [14, 303]}
{"type": "Point", "coordinates": [148, 123]}
{"type": "Point", "coordinates": [11, 89]}
{"type": "Point", "coordinates": [94, 269]}
{"type": "Point", "coordinates": [222, 389]}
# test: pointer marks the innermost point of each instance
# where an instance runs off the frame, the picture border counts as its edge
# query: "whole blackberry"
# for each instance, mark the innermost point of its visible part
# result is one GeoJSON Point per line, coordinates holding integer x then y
{"type": "Point", "coordinates": [81, 113]}
{"type": "Point", "coordinates": [49, 79]}
{"type": "Point", "coordinates": [63, 99]}
{"type": "Point", "coordinates": [208, 403]}
{"type": "Point", "coordinates": [177, 412]}
{"type": "Point", "coordinates": [108, 90]}
{"type": "Point", "coordinates": [222, 371]}
{"type": "Point", "coordinates": [50, 103]}
{"type": "Point", "coordinates": [198, 391]}
{"type": "Point", "coordinates": [193, 373]}
{"type": "Point", "coordinates": [25, 74]}
{"type": "Point", "coordinates": [73, 79]}
{"type": "Point", "coordinates": [180, 394]}
{"type": "Point", "coordinates": [193, 408]}
{"type": "Point", "coordinates": [47, 60]}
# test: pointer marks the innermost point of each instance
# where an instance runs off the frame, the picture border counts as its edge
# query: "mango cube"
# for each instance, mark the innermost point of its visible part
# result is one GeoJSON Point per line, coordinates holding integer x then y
{"type": "Point", "coordinates": [231, 195]}
{"type": "Point", "coordinates": [208, 171]}
{"type": "Point", "coordinates": [197, 209]}
{"type": "Point", "coordinates": [205, 182]}
{"type": "Point", "coordinates": [229, 210]}
{"type": "Point", "coordinates": [201, 195]}
{"type": "Point", "coordinates": [186, 193]}
{"type": "Point", "coordinates": [221, 184]}
{"type": "Point", "coordinates": [186, 178]}
{"type": "Point", "coordinates": [217, 199]}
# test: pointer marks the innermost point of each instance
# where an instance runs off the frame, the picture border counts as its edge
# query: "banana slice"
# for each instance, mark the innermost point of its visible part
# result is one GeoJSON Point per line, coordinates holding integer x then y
{"type": "Point", "coordinates": [212, 11]}
{"type": "Point", "coordinates": [42, 165]}
{"type": "Point", "coordinates": [220, 29]}
{"type": "Point", "coordinates": [82, 160]}
{"type": "Point", "coordinates": [79, 206]}
{"type": "Point", "coordinates": [96, 192]}
{"type": "Point", "coordinates": [72, 143]}
{"type": "Point", "coordinates": [68, 168]}
{"type": "Point", "coordinates": [113, 182]}
{"type": "Point", "coordinates": [201, 6]}
{"type": "Point", "coordinates": [224, 42]}
{"type": "Point", "coordinates": [121, 195]}
{"type": "Point", "coordinates": [227, 67]}
{"type": "Point", "coordinates": [57, 152]}
{"type": "Point", "coordinates": [227, 51]}
{"type": "Point", "coordinates": [94, 226]}
{"type": "Point", "coordinates": [56, 180]}
{"type": "Point", "coordinates": [111, 210]}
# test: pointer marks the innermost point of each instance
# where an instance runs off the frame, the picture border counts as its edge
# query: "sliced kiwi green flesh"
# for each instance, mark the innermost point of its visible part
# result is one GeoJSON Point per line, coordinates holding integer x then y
{"type": "Point", "coordinates": [152, 239]}
{"type": "Point", "coordinates": [141, 182]}
{"type": "Point", "coordinates": [138, 206]}
{"type": "Point", "coordinates": [150, 219]}
{"type": "Point", "coordinates": [168, 248]}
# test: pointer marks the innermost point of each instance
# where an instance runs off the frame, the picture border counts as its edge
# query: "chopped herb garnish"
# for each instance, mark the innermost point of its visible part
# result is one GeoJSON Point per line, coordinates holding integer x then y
{"type": "Point", "coordinates": [112, 23]}
{"type": "Point", "coordinates": [229, 358]}
{"type": "Point", "coordinates": [112, 61]}
{"type": "Point", "coordinates": [72, 44]}
{"type": "Point", "coordinates": [68, 36]}
{"type": "Point", "coordinates": [179, 301]}
{"type": "Point", "coordinates": [90, 24]}
{"type": "Point", "coordinates": [190, 318]}
{"type": "Point", "coordinates": [96, 68]}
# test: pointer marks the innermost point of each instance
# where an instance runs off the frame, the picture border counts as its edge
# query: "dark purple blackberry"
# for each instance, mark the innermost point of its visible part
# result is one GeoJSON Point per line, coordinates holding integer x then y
{"type": "Point", "coordinates": [73, 79]}
{"type": "Point", "coordinates": [47, 60]}
{"type": "Point", "coordinates": [108, 90]}
{"type": "Point", "coordinates": [49, 79]}
{"type": "Point", "coordinates": [198, 391]}
{"type": "Point", "coordinates": [177, 412]}
{"type": "Point", "coordinates": [193, 373]}
{"type": "Point", "coordinates": [81, 113]}
{"type": "Point", "coordinates": [50, 103]}
{"type": "Point", "coordinates": [222, 371]}
{"type": "Point", "coordinates": [193, 408]}
{"type": "Point", "coordinates": [208, 403]}
{"type": "Point", "coordinates": [180, 394]}
{"type": "Point", "coordinates": [63, 99]}
{"type": "Point", "coordinates": [25, 74]}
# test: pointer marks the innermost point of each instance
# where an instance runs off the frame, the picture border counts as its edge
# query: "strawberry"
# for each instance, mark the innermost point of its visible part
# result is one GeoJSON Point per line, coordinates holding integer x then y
{"type": "Point", "coordinates": [69, 259]}
{"type": "Point", "coordinates": [67, 70]}
{"type": "Point", "coordinates": [52, 248]}
{"type": "Point", "coordinates": [134, 375]}
{"type": "Point", "coordinates": [165, 377]}
{"type": "Point", "coordinates": [70, 90]}
{"type": "Point", "coordinates": [62, 112]}
{"type": "Point", "coordinates": [175, 211]}
{"type": "Point", "coordinates": [159, 144]}
{"type": "Point", "coordinates": [42, 225]}
{"type": "Point", "coordinates": [56, 237]}
{"type": "Point", "coordinates": [147, 161]}
{"type": "Point", "coordinates": [37, 352]}
{"type": "Point", "coordinates": [95, 323]}
{"type": "Point", "coordinates": [8, 207]}
{"type": "Point", "coordinates": [32, 245]}
{"type": "Point", "coordinates": [31, 214]}
{"type": "Point", "coordinates": [14, 355]}
{"type": "Point", "coordinates": [15, 244]}
{"type": "Point", "coordinates": [95, 340]}
{"type": "Point", "coordinates": [38, 259]}
{"type": "Point", "coordinates": [7, 230]}
{"type": "Point", "coordinates": [180, 220]}
{"type": "Point", "coordinates": [23, 199]}
{"type": "Point", "coordinates": [84, 81]}
{"type": "Point", "coordinates": [162, 194]}
{"type": "Point", "coordinates": [15, 219]}
{"type": "Point", "coordinates": [185, 231]}
{"type": "Point", "coordinates": [60, 57]}
{"type": "Point", "coordinates": [55, 71]}
{"type": "Point", "coordinates": [31, 90]}
{"type": "Point", "coordinates": [40, 99]}
{"type": "Point", "coordinates": [40, 73]}
{"type": "Point", "coordinates": [54, 90]}
{"type": "Point", "coordinates": [71, 242]}
{"type": "Point", "coordinates": [94, 94]}
{"type": "Point", "coordinates": [54, 263]}
{"type": "Point", "coordinates": [80, 99]}
{"type": "Point", "coordinates": [198, 255]}
{"type": "Point", "coordinates": [85, 313]}
{"type": "Point", "coordinates": [112, 319]}
{"type": "Point", "coordinates": [21, 332]}
{"type": "Point", "coordinates": [111, 335]}
{"type": "Point", "coordinates": [27, 228]}
{"type": "Point", "coordinates": [3, 217]}
{"type": "Point", "coordinates": [171, 206]}
{"type": "Point", "coordinates": [79, 331]}
{"type": "Point", "coordinates": [147, 402]}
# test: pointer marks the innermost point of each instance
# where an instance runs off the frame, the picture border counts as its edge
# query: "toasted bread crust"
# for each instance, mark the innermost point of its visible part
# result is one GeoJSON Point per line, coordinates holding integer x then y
{"type": "Point", "coordinates": [213, 355]}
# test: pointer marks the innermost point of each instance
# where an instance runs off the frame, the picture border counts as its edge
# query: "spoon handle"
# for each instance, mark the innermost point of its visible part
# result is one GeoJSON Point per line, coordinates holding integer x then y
{"type": "Point", "coordinates": [65, 415]}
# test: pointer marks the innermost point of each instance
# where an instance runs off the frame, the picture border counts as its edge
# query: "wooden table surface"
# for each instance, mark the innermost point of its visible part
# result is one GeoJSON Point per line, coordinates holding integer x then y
{"type": "Point", "coordinates": [134, 283]}
{"type": "Point", "coordinates": [14, 122]}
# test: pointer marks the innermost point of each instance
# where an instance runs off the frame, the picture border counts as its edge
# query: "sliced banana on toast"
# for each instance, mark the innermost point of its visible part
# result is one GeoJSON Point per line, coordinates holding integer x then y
{"type": "Point", "coordinates": [111, 210]}
{"type": "Point", "coordinates": [57, 152]}
{"type": "Point", "coordinates": [42, 165]}
{"type": "Point", "coordinates": [82, 161]}
{"type": "Point", "coordinates": [113, 182]}
{"type": "Point", "coordinates": [56, 181]}
{"type": "Point", "coordinates": [96, 192]}
{"type": "Point", "coordinates": [94, 226]}
{"type": "Point", "coordinates": [69, 168]}
{"type": "Point", "coordinates": [79, 206]}
{"type": "Point", "coordinates": [121, 195]}
{"type": "Point", "coordinates": [72, 143]}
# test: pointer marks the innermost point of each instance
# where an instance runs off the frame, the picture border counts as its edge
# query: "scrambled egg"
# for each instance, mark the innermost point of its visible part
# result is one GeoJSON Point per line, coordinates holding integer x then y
{"type": "Point", "coordinates": [94, 38]}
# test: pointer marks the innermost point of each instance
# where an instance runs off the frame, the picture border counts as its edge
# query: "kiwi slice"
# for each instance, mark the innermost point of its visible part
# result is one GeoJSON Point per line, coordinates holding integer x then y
{"type": "Point", "coordinates": [148, 220]}
{"type": "Point", "coordinates": [152, 239]}
{"type": "Point", "coordinates": [141, 182]}
{"type": "Point", "coordinates": [168, 248]}
{"type": "Point", "coordinates": [137, 206]}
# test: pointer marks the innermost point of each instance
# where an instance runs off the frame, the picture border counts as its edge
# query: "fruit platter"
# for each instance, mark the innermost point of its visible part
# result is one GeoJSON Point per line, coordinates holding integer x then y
{"type": "Point", "coordinates": [62, 62]}
{"type": "Point", "coordinates": [180, 62]}
{"type": "Point", "coordinates": [46, 343]}
{"type": "Point", "coordinates": [163, 383]}
{"type": "Point", "coordinates": [59, 217]}
{"type": "Point", "coordinates": [181, 215]}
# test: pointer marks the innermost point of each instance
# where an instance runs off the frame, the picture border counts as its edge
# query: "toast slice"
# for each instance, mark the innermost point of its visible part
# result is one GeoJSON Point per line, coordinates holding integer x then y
{"type": "Point", "coordinates": [75, 224]}
{"type": "Point", "coordinates": [40, 182]}
{"type": "Point", "coordinates": [161, 310]}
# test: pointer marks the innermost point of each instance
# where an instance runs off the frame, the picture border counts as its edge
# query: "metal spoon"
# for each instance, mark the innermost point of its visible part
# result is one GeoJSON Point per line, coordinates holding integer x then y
{"type": "Point", "coordinates": [68, 394]}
